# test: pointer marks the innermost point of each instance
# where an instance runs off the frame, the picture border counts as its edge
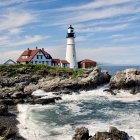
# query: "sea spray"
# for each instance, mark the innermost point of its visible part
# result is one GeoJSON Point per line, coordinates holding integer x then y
{"type": "Point", "coordinates": [96, 110]}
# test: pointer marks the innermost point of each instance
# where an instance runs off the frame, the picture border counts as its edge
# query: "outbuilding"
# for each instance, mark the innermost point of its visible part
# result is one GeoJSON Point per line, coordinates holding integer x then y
{"type": "Point", "coordinates": [87, 63]}
{"type": "Point", "coordinates": [10, 62]}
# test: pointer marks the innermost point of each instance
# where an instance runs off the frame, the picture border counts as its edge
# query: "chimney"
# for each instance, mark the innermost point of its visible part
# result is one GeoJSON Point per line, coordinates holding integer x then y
{"type": "Point", "coordinates": [28, 49]}
{"type": "Point", "coordinates": [42, 49]}
{"type": "Point", "coordinates": [36, 47]}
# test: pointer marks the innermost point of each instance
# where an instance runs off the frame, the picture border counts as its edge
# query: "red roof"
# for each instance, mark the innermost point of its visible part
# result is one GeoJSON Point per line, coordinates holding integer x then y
{"type": "Point", "coordinates": [64, 62]}
{"type": "Point", "coordinates": [56, 60]}
{"type": "Point", "coordinates": [30, 54]}
{"type": "Point", "coordinates": [87, 61]}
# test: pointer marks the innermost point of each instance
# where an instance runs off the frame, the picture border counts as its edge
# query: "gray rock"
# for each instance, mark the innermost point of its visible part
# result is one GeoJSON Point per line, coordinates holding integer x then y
{"type": "Point", "coordinates": [113, 134]}
{"type": "Point", "coordinates": [17, 95]}
{"type": "Point", "coordinates": [127, 79]}
{"type": "Point", "coordinates": [81, 134]}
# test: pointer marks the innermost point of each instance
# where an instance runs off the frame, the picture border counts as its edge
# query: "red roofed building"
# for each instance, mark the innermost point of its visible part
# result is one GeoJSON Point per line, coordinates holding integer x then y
{"type": "Point", "coordinates": [87, 63]}
{"type": "Point", "coordinates": [60, 63]}
{"type": "Point", "coordinates": [64, 64]}
{"type": "Point", "coordinates": [56, 62]}
{"type": "Point", "coordinates": [40, 56]}
{"type": "Point", "coordinates": [37, 56]}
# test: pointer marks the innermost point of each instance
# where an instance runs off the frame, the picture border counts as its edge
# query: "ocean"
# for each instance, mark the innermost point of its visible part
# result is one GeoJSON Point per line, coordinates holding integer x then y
{"type": "Point", "coordinates": [95, 109]}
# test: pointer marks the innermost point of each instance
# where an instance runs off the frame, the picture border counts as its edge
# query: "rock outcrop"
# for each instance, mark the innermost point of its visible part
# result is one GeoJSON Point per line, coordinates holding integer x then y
{"type": "Point", "coordinates": [128, 79]}
{"type": "Point", "coordinates": [92, 79]}
{"type": "Point", "coordinates": [113, 134]}
{"type": "Point", "coordinates": [20, 86]}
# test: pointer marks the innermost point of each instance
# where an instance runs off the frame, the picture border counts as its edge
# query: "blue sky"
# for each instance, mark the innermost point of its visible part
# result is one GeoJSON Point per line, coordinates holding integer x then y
{"type": "Point", "coordinates": [107, 31]}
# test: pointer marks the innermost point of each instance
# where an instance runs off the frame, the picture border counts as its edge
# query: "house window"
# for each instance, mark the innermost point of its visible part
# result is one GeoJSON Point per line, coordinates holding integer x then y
{"type": "Point", "coordinates": [47, 56]}
{"type": "Point", "coordinates": [42, 62]}
{"type": "Point", "coordinates": [41, 56]}
{"type": "Point", "coordinates": [35, 62]}
{"type": "Point", "coordinates": [37, 56]}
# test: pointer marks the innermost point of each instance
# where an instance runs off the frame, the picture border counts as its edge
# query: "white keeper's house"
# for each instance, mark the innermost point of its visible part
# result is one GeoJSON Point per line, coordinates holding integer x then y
{"type": "Point", "coordinates": [40, 56]}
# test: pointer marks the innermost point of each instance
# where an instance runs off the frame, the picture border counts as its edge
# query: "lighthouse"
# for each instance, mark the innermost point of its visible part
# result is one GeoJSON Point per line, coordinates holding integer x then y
{"type": "Point", "coordinates": [70, 50]}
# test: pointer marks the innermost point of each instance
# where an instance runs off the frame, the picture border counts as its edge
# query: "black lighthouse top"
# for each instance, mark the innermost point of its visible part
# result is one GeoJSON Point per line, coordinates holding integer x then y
{"type": "Point", "coordinates": [70, 32]}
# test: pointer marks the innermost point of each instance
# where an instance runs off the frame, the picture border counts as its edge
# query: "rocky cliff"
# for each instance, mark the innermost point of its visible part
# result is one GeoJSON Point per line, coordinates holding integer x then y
{"type": "Point", "coordinates": [128, 79]}
{"type": "Point", "coordinates": [19, 82]}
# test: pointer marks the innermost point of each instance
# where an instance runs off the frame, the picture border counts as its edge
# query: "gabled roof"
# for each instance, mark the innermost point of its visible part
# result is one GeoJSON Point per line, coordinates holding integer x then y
{"type": "Point", "coordinates": [30, 54]}
{"type": "Point", "coordinates": [87, 61]}
{"type": "Point", "coordinates": [64, 62]}
{"type": "Point", "coordinates": [10, 60]}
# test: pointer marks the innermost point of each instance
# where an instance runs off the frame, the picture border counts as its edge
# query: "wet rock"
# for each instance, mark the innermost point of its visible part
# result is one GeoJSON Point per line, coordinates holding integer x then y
{"type": "Point", "coordinates": [113, 134]}
{"type": "Point", "coordinates": [29, 100]}
{"type": "Point", "coordinates": [8, 102]}
{"type": "Point", "coordinates": [57, 98]}
{"type": "Point", "coordinates": [18, 101]}
{"type": "Point", "coordinates": [3, 109]}
{"type": "Point", "coordinates": [110, 91]}
{"type": "Point", "coordinates": [117, 134]}
{"type": "Point", "coordinates": [18, 95]}
{"type": "Point", "coordinates": [44, 101]}
{"type": "Point", "coordinates": [81, 134]}
{"type": "Point", "coordinates": [8, 134]}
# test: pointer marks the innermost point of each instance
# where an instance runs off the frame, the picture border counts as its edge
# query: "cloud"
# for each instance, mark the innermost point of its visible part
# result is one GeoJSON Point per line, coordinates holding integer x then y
{"type": "Point", "coordinates": [104, 28]}
{"type": "Point", "coordinates": [7, 42]}
{"type": "Point", "coordinates": [13, 19]}
{"type": "Point", "coordinates": [15, 31]}
{"type": "Point", "coordinates": [97, 10]}
{"type": "Point", "coordinates": [113, 54]}
{"type": "Point", "coordinates": [7, 3]}
{"type": "Point", "coordinates": [28, 40]}
{"type": "Point", "coordinates": [93, 5]}
{"type": "Point", "coordinates": [122, 37]}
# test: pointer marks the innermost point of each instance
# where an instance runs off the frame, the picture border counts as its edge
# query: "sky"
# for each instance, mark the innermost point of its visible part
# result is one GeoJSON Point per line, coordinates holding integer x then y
{"type": "Point", "coordinates": [107, 31]}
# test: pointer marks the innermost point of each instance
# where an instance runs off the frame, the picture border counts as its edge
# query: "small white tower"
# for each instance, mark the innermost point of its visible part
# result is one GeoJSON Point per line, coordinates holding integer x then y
{"type": "Point", "coordinates": [70, 51]}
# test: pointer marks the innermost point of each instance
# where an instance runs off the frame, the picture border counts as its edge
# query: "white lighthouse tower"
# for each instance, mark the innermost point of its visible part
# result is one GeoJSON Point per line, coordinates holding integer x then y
{"type": "Point", "coordinates": [70, 51]}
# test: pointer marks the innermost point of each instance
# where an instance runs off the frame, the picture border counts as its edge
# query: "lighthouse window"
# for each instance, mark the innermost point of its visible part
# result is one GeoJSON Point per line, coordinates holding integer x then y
{"type": "Point", "coordinates": [71, 30]}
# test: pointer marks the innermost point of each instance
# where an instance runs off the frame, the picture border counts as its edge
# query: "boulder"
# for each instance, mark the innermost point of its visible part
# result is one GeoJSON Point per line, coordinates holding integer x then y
{"type": "Point", "coordinates": [116, 134]}
{"type": "Point", "coordinates": [113, 134]}
{"type": "Point", "coordinates": [81, 134]}
{"type": "Point", "coordinates": [128, 79]}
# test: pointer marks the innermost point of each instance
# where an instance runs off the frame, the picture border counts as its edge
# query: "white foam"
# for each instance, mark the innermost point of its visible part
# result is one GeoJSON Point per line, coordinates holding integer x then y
{"type": "Point", "coordinates": [32, 127]}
